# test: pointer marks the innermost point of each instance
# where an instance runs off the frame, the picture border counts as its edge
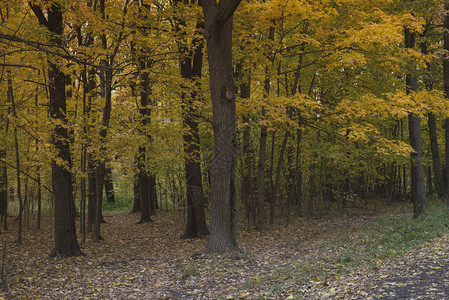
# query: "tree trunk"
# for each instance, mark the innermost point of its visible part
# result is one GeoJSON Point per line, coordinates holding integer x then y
{"type": "Point", "coordinates": [446, 95]}
{"type": "Point", "coordinates": [10, 96]}
{"type": "Point", "coordinates": [417, 169]}
{"type": "Point", "coordinates": [191, 64]}
{"type": "Point", "coordinates": [144, 184]}
{"type": "Point", "coordinates": [438, 174]}
{"type": "Point", "coordinates": [218, 34]}
{"type": "Point", "coordinates": [91, 192]}
{"type": "Point", "coordinates": [136, 186]}
{"type": "Point", "coordinates": [247, 189]}
{"type": "Point", "coordinates": [3, 187]}
{"type": "Point", "coordinates": [66, 243]}
{"type": "Point", "coordinates": [278, 177]}
{"type": "Point", "coordinates": [109, 186]}
{"type": "Point", "coordinates": [261, 221]}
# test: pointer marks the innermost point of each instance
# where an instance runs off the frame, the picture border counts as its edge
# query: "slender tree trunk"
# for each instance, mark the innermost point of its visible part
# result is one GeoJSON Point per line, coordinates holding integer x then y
{"type": "Point", "coordinates": [136, 186]}
{"type": "Point", "coordinates": [261, 221]}
{"type": "Point", "coordinates": [417, 169]}
{"type": "Point", "coordinates": [99, 174]}
{"type": "Point", "coordinates": [278, 177]}
{"type": "Point", "coordinates": [91, 192]}
{"type": "Point", "coordinates": [109, 186]}
{"type": "Point", "coordinates": [10, 97]}
{"type": "Point", "coordinates": [247, 189]}
{"type": "Point", "coordinates": [438, 174]}
{"type": "Point", "coordinates": [3, 187]}
{"type": "Point", "coordinates": [446, 94]}
{"type": "Point", "coordinates": [223, 210]}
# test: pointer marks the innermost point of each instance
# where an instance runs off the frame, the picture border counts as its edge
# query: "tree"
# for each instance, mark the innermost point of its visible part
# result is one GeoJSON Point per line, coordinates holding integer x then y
{"type": "Point", "coordinates": [66, 243]}
{"type": "Point", "coordinates": [223, 211]}
{"type": "Point", "coordinates": [417, 169]}
{"type": "Point", "coordinates": [191, 65]}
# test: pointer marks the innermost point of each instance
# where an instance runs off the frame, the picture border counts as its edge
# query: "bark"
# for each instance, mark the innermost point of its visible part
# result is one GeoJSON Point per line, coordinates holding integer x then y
{"type": "Point", "coordinates": [109, 186]}
{"type": "Point", "coordinates": [431, 122]}
{"type": "Point", "coordinates": [91, 192]}
{"type": "Point", "coordinates": [278, 177]}
{"type": "Point", "coordinates": [144, 176]}
{"type": "Point", "coordinates": [247, 189]}
{"type": "Point", "coordinates": [218, 34]}
{"type": "Point", "coordinates": [66, 243]}
{"type": "Point", "coordinates": [10, 96]}
{"type": "Point", "coordinates": [136, 185]}
{"type": "Point", "coordinates": [144, 184]}
{"type": "Point", "coordinates": [261, 221]}
{"type": "Point", "coordinates": [3, 188]}
{"type": "Point", "coordinates": [446, 94]}
{"type": "Point", "coordinates": [438, 174]}
{"type": "Point", "coordinates": [417, 169]}
{"type": "Point", "coordinates": [191, 64]}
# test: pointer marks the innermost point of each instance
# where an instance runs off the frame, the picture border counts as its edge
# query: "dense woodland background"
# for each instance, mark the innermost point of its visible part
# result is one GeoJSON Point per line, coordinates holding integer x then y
{"type": "Point", "coordinates": [326, 104]}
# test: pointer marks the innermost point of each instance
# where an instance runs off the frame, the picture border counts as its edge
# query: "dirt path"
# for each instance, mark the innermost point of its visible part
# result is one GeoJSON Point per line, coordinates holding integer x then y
{"type": "Point", "coordinates": [150, 262]}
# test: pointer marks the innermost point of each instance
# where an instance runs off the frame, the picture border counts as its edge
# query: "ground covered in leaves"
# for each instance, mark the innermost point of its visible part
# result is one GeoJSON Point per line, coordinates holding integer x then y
{"type": "Point", "coordinates": [316, 257]}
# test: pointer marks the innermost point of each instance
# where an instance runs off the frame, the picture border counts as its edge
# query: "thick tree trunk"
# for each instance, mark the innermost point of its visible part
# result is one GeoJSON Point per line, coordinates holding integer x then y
{"type": "Point", "coordinates": [417, 169]}
{"type": "Point", "coordinates": [91, 192]}
{"type": "Point", "coordinates": [223, 215]}
{"type": "Point", "coordinates": [66, 243]}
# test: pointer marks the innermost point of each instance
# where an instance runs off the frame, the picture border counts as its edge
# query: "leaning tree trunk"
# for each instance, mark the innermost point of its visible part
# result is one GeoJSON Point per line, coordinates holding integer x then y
{"type": "Point", "coordinates": [66, 243]}
{"type": "Point", "coordinates": [417, 169]}
{"type": "Point", "coordinates": [218, 34]}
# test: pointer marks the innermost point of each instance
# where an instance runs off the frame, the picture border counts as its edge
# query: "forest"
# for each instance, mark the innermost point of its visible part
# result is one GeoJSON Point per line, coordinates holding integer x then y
{"type": "Point", "coordinates": [226, 149]}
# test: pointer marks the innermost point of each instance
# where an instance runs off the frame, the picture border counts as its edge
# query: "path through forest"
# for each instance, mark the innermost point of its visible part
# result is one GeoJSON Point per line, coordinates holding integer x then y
{"type": "Point", "coordinates": [150, 262]}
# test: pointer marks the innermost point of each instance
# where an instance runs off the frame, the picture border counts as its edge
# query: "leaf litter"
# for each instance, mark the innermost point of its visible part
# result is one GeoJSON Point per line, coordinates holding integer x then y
{"type": "Point", "coordinates": [150, 261]}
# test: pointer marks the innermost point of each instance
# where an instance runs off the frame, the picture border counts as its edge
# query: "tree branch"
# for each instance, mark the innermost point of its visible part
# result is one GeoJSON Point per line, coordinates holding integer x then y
{"type": "Point", "coordinates": [226, 12]}
{"type": "Point", "coordinates": [43, 47]}
{"type": "Point", "coordinates": [39, 14]}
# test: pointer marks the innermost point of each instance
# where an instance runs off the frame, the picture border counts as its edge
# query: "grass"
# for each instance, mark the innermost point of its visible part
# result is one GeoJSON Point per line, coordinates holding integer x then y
{"type": "Point", "coordinates": [123, 203]}
{"type": "Point", "coordinates": [388, 236]}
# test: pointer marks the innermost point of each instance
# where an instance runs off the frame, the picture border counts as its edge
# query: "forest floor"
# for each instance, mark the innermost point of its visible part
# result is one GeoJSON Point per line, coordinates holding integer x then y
{"type": "Point", "coordinates": [320, 257]}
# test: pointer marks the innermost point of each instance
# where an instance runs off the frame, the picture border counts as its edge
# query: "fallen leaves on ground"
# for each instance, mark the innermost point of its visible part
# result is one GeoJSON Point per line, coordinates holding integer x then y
{"type": "Point", "coordinates": [150, 261]}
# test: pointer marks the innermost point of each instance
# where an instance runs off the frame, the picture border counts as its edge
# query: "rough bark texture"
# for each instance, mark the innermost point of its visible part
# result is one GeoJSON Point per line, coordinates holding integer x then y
{"type": "Point", "coordinates": [218, 34]}
{"type": "Point", "coordinates": [417, 169]}
{"type": "Point", "coordinates": [66, 243]}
